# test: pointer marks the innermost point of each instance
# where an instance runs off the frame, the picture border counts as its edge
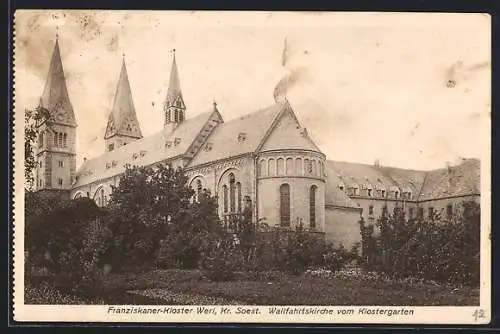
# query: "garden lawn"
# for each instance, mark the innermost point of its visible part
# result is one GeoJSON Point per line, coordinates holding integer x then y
{"type": "Point", "coordinates": [290, 290]}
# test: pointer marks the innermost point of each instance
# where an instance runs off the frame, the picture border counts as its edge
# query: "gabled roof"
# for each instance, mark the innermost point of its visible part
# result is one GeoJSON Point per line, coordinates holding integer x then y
{"type": "Point", "coordinates": [224, 140]}
{"type": "Point", "coordinates": [459, 180]}
{"type": "Point", "coordinates": [333, 195]}
{"type": "Point", "coordinates": [377, 176]}
{"type": "Point", "coordinates": [122, 119]}
{"type": "Point", "coordinates": [143, 152]}
{"type": "Point", "coordinates": [55, 96]}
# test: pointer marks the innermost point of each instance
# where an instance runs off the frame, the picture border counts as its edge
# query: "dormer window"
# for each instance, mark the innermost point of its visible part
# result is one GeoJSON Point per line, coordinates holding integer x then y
{"type": "Point", "coordinates": [242, 136]}
{"type": "Point", "coordinates": [208, 147]}
{"type": "Point", "coordinates": [113, 163]}
{"type": "Point", "coordinates": [177, 141]}
{"type": "Point", "coordinates": [303, 132]}
{"type": "Point", "coordinates": [143, 153]}
{"type": "Point", "coordinates": [108, 165]}
{"type": "Point", "coordinates": [168, 144]}
{"type": "Point", "coordinates": [135, 156]}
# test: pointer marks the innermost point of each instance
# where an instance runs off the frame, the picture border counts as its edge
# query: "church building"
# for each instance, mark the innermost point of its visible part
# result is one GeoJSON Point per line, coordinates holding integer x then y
{"type": "Point", "coordinates": [265, 157]}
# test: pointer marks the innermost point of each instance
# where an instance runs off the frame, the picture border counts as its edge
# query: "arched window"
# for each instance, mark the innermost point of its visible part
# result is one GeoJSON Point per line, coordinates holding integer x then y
{"type": "Point", "coordinates": [312, 207]}
{"type": "Point", "coordinates": [103, 198]}
{"type": "Point", "coordinates": [238, 194]}
{"type": "Point", "coordinates": [60, 139]}
{"type": "Point", "coordinates": [55, 138]}
{"type": "Point", "coordinates": [285, 205]}
{"type": "Point", "coordinates": [308, 167]}
{"type": "Point", "coordinates": [65, 140]}
{"type": "Point", "coordinates": [167, 116]}
{"type": "Point", "coordinates": [298, 166]}
{"type": "Point", "coordinates": [181, 116]}
{"type": "Point", "coordinates": [176, 118]}
{"type": "Point", "coordinates": [40, 139]}
{"type": "Point", "coordinates": [289, 166]}
{"type": "Point", "coordinates": [198, 189]}
{"type": "Point", "coordinates": [224, 197]}
{"type": "Point", "coordinates": [271, 168]}
{"type": "Point", "coordinates": [281, 166]}
{"type": "Point", "coordinates": [263, 168]}
{"type": "Point", "coordinates": [232, 192]}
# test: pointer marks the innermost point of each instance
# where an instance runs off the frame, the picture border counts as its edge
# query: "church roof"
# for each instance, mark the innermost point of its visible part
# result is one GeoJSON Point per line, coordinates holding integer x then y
{"type": "Point", "coordinates": [55, 96]}
{"type": "Point", "coordinates": [174, 85]}
{"type": "Point", "coordinates": [226, 140]}
{"type": "Point", "coordinates": [122, 119]}
{"type": "Point", "coordinates": [158, 147]}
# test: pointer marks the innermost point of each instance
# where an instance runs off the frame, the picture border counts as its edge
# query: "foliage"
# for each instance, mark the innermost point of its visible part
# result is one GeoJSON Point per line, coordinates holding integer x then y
{"type": "Point", "coordinates": [191, 232]}
{"type": "Point", "coordinates": [222, 258]}
{"type": "Point", "coordinates": [33, 118]}
{"type": "Point", "coordinates": [146, 201]}
{"type": "Point", "coordinates": [68, 241]}
{"type": "Point", "coordinates": [434, 249]}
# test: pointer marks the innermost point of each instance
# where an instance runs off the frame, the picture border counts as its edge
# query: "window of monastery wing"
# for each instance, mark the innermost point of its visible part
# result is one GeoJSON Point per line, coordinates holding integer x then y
{"type": "Point", "coordinates": [271, 168]}
{"type": "Point", "coordinates": [55, 138]}
{"type": "Point", "coordinates": [370, 210]}
{"type": "Point", "coordinates": [263, 168]}
{"type": "Point", "coordinates": [281, 166]}
{"type": "Point", "coordinates": [289, 166]}
{"type": "Point", "coordinates": [285, 205]}
{"type": "Point", "coordinates": [312, 207]}
{"type": "Point", "coordinates": [65, 140]}
{"type": "Point", "coordinates": [40, 139]}
{"type": "Point", "coordinates": [298, 166]}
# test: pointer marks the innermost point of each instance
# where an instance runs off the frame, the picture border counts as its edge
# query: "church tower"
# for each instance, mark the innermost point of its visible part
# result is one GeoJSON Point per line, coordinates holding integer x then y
{"type": "Point", "coordinates": [55, 147]}
{"type": "Point", "coordinates": [123, 126]}
{"type": "Point", "coordinates": [174, 107]}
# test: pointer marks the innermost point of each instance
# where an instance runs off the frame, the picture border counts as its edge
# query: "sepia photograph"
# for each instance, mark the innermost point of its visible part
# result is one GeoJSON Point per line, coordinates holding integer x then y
{"type": "Point", "coordinates": [252, 166]}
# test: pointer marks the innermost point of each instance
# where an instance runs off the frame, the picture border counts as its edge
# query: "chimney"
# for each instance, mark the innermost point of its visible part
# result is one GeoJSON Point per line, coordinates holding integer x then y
{"type": "Point", "coordinates": [84, 159]}
{"type": "Point", "coordinates": [377, 163]}
{"type": "Point", "coordinates": [448, 166]}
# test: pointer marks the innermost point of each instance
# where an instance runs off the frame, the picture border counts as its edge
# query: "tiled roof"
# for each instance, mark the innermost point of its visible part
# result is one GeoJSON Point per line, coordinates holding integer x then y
{"type": "Point", "coordinates": [333, 195]}
{"type": "Point", "coordinates": [377, 176]}
{"type": "Point", "coordinates": [462, 179]}
{"type": "Point", "coordinates": [224, 140]}
{"type": "Point", "coordinates": [142, 152]}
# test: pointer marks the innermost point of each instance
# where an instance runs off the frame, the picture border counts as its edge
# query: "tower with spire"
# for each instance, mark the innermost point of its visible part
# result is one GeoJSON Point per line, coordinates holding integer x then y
{"type": "Point", "coordinates": [174, 108]}
{"type": "Point", "coordinates": [123, 126]}
{"type": "Point", "coordinates": [55, 147]}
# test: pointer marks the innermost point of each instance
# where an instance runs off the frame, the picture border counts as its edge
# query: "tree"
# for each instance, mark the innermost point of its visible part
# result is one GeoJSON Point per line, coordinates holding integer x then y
{"type": "Point", "coordinates": [33, 118]}
{"type": "Point", "coordinates": [65, 240]}
{"type": "Point", "coordinates": [145, 202]}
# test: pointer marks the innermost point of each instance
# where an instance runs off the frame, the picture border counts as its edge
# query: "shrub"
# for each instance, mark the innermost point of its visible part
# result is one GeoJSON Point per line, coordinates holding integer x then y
{"type": "Point", "coordinates": [434, 249]}
{"type": "Point", "coordinates": [221, 259]}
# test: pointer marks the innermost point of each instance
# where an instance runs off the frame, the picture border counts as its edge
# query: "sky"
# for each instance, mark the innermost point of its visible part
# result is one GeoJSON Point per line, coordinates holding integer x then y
{"type": "Point", "coordinates": [410, 90]}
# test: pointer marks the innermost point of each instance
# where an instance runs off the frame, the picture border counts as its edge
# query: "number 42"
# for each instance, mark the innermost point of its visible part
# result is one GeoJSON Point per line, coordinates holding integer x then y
{"type": "Point", "coordinates": [478, 314]}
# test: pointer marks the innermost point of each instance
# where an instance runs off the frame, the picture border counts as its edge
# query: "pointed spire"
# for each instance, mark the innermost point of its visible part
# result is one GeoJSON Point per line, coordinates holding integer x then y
{"type": "Point", "coordinates": [55, 96]}
{"type": "Point", "coordinates": [174, 85]}
{"type": "Point", "coordinates": [122, 118]}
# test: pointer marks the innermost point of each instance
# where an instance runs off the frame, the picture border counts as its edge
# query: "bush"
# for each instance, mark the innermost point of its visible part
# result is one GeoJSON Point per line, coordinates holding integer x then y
{"type": "Point", "coordinates": [435, 249]}
{"type": "Point", "coordinates": [221, 259]}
